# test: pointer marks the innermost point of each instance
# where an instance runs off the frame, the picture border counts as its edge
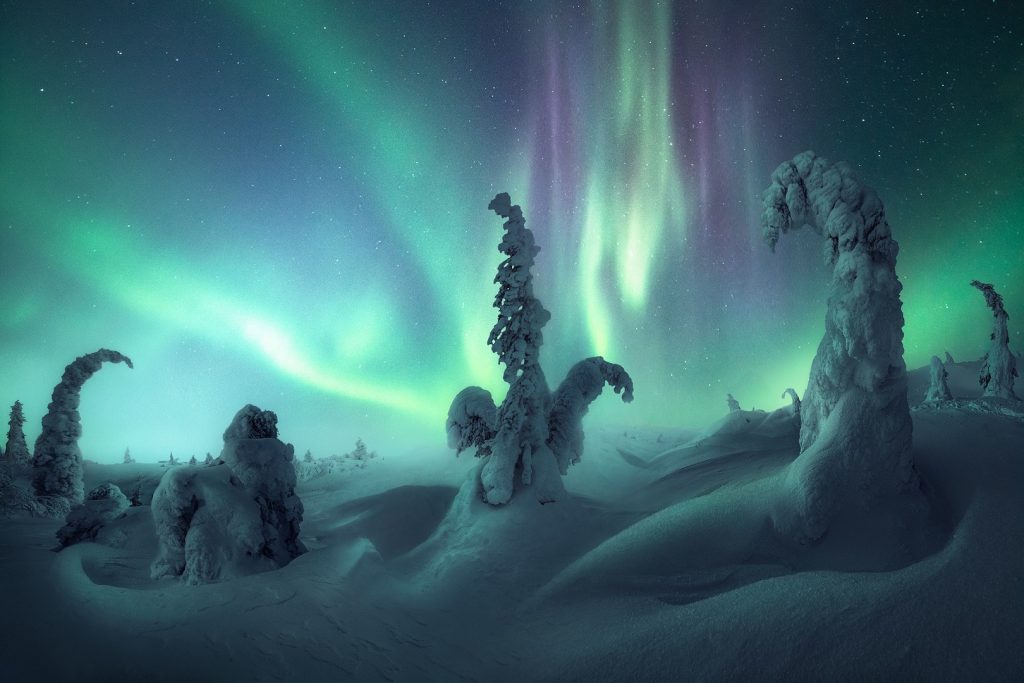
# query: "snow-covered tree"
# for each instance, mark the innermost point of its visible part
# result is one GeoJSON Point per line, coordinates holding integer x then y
{"type": "Point", "coordinates": [531, 436]}
{"type": "Point", "coordinates": [794, 397]}
{"type": "Point", "coordinates": [938, 386]}
{"type": "Point", "coordinates": [209, 460]}
{"type": "Point", "coordinates": [308, 457]}
{"type": "Point", "coordinates": [57, 467]}
{"type": "Point", "coordinates": [999, 366]}
{"type": "Point", "coordinates": [192, 461]}
{"type": "Point", "coordinates": [734, 405]}
{"type": "Point", "coordinates": [855, 433]}
{"type": "Point", "coordinates": [949, 359]}
{"type": "Point", "coordinates": [128, 460]}
{"type": "Point", "coordinates": [171, 460]}
{"type": "Point", "coordinates": [17, 450]}
{"type": "Point", "coordinates": [215, 523]}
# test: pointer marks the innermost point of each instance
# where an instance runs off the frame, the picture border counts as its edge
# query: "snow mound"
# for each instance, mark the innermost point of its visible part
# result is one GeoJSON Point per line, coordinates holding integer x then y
{"type": "Point", "coordinates": [102, 505]}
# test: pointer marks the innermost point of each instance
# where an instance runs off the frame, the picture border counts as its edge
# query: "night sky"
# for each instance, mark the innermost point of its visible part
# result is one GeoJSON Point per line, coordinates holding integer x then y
{"type": "Point", "coordinates": [285, 202]}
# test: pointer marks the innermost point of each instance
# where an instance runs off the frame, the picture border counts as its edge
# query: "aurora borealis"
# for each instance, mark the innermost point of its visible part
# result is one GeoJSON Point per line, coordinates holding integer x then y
{"type": "Point", "coordinates": [285, 203]}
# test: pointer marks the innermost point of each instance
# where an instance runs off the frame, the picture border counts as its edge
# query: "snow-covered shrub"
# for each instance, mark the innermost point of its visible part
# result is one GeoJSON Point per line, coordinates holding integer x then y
{"type": "Point", "coordinates": [999, 366]}
{"type": "Point", "coordinates": [734, 405]}
{"type": "Point", "coordinates": [938, 385]}
{"type": "Point", "coordinates": [57, 467]}
{"type": "Point", "coordinates": [525, 441]}
{"type": "Point", "coordinates": [104, 503]}
{"type": "Point", "coordinates": [192, 462]}
{"type": "Point", "coordinates": [208, 460]}
{"type": "Point", "coordinates": [128, 459]}
{"type": "Point", "coordinates": [17, 450]}
{"type": "Point", "coordinates": [238, 518]}
{"type": "Point", "coordinates": [855, 434]}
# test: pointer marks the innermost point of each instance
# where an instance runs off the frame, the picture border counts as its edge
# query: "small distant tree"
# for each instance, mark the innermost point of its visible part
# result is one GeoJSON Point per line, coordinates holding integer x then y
{"type": "Point", "coordinates": [360, 453]}
{"type": "Point", "coordinates": [949, 359]}
{"type": "Point", "coordinates": [308, 457]}
{"type": "Point", "coordinates": [938, 388]}
{"type": "Point", "coordinates": [171, 460]}
{"type": "Point", "coordinates": [209, 459]}
{"type": "Point", "coordinates": [192, 461]}
{"type": "Point", "coordinates": [1000, 365]}
{"type": "Point", "coordinates": [17, 450]}
{"type": "Point", "coordinates": [734, 405]}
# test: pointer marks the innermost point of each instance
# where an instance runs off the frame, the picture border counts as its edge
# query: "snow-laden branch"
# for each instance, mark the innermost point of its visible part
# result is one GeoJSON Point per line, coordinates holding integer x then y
{"type": "Point", "coordinates": [570, 402]}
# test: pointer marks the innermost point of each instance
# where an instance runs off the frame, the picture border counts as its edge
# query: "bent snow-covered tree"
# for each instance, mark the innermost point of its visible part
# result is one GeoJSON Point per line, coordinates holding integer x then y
{"type": "Point", "coordinates": [795, 399]}
{"type": "Point", "coordinates": [856, 431]}
{"type": "Point", "coordinates": [57, 467]}
{"type": "Point", "coordinates": [734, 405]}
{"type": "Point", "coordinates": [938, 382]}
{"type": "Point", "coordinates": [999, 366]}
{"type": "Point", "coordinates": [17, 450]}
{"type": "Point", "coordinates": [533, 436]}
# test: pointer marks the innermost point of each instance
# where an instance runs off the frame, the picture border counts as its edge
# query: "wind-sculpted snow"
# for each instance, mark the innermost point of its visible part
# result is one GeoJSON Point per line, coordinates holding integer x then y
{"type": "Point", "coordinates": [525, 438]}
{"type": "Point", "coordinates": [237, 518]}
{"type": "Point", "coordinates": [938, 386]}
{"type": "Point", "coordinates": [572, 399]}
{"type": "Point", "coordinates": [57, 467]}
{"type": "Point", "coordinates": [856, 432]}
{"type": "Point", "coordinates": [999, 366]}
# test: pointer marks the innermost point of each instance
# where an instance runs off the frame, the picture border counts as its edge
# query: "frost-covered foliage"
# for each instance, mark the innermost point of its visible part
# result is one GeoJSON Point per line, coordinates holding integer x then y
{"type": "Point", "coordinates": [999, 366]}
{"type": "Point", "coordinates": [128, 459]}
{"type": "Point", "coordinates": [360, 453]}
{"type": "Point", "coordinates": [104, 503]}
{"type": "Point", "coordinates": [531, 437]}
{"type": "Point", "coordinates": [855, 435]}
{"type": "Point", "coordinates": [938, 385]}
{"type": "Point", "coordinates": [794, 397]}
{"type": "Point", "coordinates": [16, 451]}
{"type": "Point", "coordinates": [472, 419]}
{"type": "Point", "coordinates": [192, 462]}
{"type": "Point", "coordinates": [208, 460]}
{"type": "Point", "coordinates": [239, 518]}
{"type": "Point", "coordinates": [572, 400]}
{"type": "Point", "coordinates": [57, 467]}
{"type": "Point", "coordinates": [734, 405]}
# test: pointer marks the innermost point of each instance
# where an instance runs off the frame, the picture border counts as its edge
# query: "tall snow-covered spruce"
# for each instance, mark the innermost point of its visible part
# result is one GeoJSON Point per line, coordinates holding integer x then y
{"type": "Point", "coordinates": [999, 366]}
{"type": "Point", "coordinates": [533, 436]}
{"type": "Point", "coordinates": [856, 430]}
{"type": "Point", "coordinates": [17, 450]}
{"type": "Point", "coordinates": [57, 467]}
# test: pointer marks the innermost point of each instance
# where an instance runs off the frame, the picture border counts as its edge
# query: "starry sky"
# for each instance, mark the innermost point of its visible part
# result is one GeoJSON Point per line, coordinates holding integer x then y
{"type": "Point", "coordinates": [285, 202]}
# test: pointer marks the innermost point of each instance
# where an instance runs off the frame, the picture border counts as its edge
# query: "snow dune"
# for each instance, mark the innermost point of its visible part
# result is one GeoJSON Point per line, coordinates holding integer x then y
{"type": "Point", "coordinates": [661, 565]}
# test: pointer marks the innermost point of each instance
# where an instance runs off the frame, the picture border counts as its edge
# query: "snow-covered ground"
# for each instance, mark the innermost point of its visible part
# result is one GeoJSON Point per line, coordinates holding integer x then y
{"type": "Point", "coordinates": [662, 565]}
